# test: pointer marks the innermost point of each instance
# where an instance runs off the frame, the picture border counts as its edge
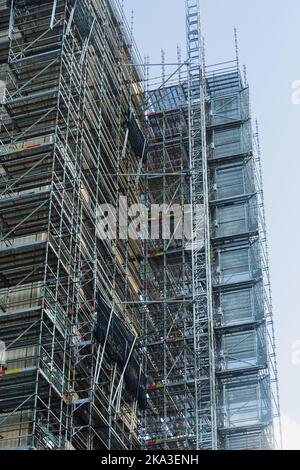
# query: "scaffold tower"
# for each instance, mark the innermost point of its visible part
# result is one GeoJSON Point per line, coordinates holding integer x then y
{"type": "Point", "coordinates": [68, 134]}
{"type": "Point", "coordinates": [209, 333]}
{"type": "Point", "coordinates": [159, 342]}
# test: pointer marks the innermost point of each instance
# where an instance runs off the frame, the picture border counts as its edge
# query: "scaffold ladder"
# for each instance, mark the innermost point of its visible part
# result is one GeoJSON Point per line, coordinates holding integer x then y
{"type": "Point", "coordinates": [205, 386]}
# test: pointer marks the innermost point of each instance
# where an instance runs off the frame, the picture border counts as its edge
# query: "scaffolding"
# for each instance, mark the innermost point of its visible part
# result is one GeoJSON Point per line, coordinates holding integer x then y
{"type": "Point", "coordinates": [63, 151]}
{"type": "Point", "coordinates": [209, 333]}
{"type": "Point", "coordinates": [112, 342]}
{"type": "Point", "coordinates": [246, 372]}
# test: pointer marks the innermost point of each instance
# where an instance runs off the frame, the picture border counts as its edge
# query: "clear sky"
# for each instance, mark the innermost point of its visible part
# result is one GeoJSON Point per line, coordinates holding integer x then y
{"type": "Point", "coordinates": [269, 38]}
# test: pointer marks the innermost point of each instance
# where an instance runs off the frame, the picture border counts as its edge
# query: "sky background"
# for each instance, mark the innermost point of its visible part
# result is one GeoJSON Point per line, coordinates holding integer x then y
{"type": "Point", "coordinates": [269, 38]}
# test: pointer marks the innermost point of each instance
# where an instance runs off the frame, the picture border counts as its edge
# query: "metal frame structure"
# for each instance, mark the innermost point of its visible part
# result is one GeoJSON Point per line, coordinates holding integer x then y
{"type": "Point", "coordinates": [63, 151]}
{"type": "Point", "coordinates": [245, 365]}
{"type": "Point", "coordinates": [204, 343]}
{"type": "Point", "coordinates": [164, 343]}
{"type": "Point", "coordinates": [209, 305]}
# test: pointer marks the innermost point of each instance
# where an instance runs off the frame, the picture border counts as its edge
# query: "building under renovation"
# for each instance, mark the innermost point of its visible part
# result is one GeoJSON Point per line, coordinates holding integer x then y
{"type": "Point", "coordinates": [119, 342]}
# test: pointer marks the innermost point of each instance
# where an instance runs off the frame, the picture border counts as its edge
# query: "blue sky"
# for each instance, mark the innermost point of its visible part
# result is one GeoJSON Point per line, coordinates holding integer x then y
{"type": "Point", "coordinates": [269, 37]}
